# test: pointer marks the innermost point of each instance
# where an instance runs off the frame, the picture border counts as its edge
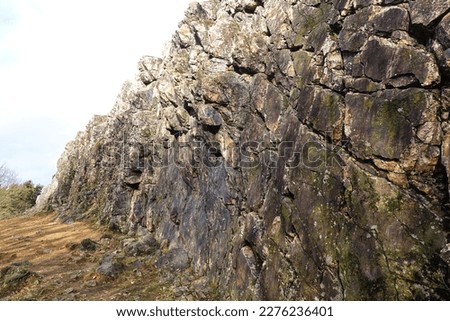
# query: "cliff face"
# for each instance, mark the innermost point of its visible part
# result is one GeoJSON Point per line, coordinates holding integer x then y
{"type": "Point", "coordinates": [283, 149]}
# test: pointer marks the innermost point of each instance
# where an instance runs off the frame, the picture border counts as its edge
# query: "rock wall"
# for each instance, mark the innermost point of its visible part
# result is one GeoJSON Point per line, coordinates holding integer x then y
{"type": "Point", "coordinates": [283, 149]}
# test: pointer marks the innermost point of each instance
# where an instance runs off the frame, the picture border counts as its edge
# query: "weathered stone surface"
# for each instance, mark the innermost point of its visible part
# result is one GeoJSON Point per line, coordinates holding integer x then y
{"type": "Point", "coordinates": [443, 31]}
{"type": "Point", "coordinates": [303, 67]}
{"type": "Point", "coordinates": [390, 19]}
{"type": "Point", "coordinates": [401, 247]}
{"type": "Point", "coordinates": [322, 109]}
{"type": "Point", "coordinates": [383, 124]}
{"type": "Point", "coordinates": [88, 245]}
{"type": "Point", "coordinates": [445, 156]}
{"type": "Point", "coordinates": [223, 88]}
{"type": "Point", "coordinates": [363, 85]}
{"type": "Point", "coordinates": [353, 35]}
{"type": "Point", "coordinates": [384, 60]}
{"type": "Point", "coordinates": [442, 55]}
{"type": "Point", "coordinates": [280, 150]}
{"type": "Point", "coordinates": [268, 101]}
{"type": "Point", "coordinates": [145, 246]}
{"type": "Point", "coordinates": [111, 265]}
{"type": "Point", "coordinates": [150, 69]}
{"type": "Point", "coordinates": [422, 15]}
{"type": "Point", "coordinates": [308, 22]}
{"type": "Point", "coordinates": [209, 116]}
{"type": "Point", "coordinates": [371, 20]}
{"type": "Point", "coordinates": [442, 43]}
{"type": "Point", "coordinates": [175, 260]}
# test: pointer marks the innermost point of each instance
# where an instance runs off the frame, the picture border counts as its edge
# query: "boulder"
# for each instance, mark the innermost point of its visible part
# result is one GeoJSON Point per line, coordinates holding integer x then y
{"type": "Point", "coordinates": [111, 265]}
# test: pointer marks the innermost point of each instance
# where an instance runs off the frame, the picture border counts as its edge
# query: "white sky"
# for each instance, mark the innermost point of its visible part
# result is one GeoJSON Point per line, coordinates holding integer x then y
{"type": "Point", "coordinates": [61, 62]}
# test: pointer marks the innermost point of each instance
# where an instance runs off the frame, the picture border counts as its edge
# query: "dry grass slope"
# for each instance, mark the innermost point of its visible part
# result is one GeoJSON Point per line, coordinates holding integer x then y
{"type": "Point", "coordinates": [48, 263]}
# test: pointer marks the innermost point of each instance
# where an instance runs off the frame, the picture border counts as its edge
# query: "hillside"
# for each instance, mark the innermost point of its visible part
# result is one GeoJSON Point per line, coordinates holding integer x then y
{"type": "Point", "coordinates": [282, 150]}
{"type": "Point", "coordinates": [44, 259]}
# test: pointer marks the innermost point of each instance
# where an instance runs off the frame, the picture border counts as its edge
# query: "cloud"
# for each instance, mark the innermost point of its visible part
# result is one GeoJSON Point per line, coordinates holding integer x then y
{"type": "Point", "coordinates": [61, 62]}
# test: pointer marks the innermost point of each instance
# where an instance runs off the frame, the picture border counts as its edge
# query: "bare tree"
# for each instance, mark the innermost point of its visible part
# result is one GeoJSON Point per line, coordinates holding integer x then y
{"type": "Point", "coordinates": [7, 176]}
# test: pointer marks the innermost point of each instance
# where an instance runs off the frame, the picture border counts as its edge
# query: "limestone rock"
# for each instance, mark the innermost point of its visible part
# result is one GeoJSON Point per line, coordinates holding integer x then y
{"type": "Point", "coordinates": [209, 116]}
{"type": "Point", "coordinates": [371, 20]}
{"type": "Point", "coordinates": [175, 260]}
{"type": "Point", "coordinates": [385, 60]}
{"type": "Point", "coordinates": [322, 108]}
{"type": "Point", "coordinates": [88, 245]}
{"type": "Point", "coordinates": [421, 13]}
{"type": "Point", "coordinates": [443, 31]}
{"type": "Point", "coordinates": [111, 265]}
{"type": "Point", "coordinates": [280, 150]}
{"type": "Point", "coordinates": [145, 246]}
{"type": "Point", "coordinates": [390, 19]}
{"type": "Point", "coordinates": [383, 124]}
{"type": "Point", "coordinates": [150, 69]}
{"type": "Point", "coordinates": [445, 156]}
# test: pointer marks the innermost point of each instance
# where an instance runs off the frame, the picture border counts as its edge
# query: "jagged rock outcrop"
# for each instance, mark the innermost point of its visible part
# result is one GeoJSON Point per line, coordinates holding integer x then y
{"type": "Point", "coordinates": [283, 149]}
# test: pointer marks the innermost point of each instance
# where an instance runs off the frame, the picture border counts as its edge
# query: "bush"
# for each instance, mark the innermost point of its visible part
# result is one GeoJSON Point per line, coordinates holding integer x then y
{"type": "Point", "coordinates": [7, 176]}
{"type": "Point", "coordinates": [15, 199]}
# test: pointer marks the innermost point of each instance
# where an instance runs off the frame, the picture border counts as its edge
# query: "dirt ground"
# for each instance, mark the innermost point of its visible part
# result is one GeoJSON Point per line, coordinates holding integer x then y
{"type": "Point", "coordinates": [49, 263]}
